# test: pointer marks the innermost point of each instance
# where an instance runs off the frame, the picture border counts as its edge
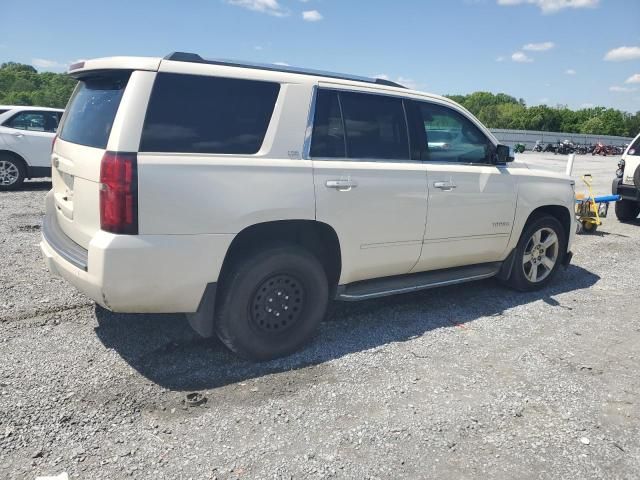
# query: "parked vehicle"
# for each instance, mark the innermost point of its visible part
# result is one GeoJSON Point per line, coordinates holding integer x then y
{"type": "Point", "coordinates": [537, 147]}
{"type": "Point", "coordinates": [26, 134]}
{"type": "Point", "coordinates": [565, 148]}
{"type": "Point", "coordinates": [550, 148]}
{"type": "Point", "coordinates": [248, 196]}
{"type": "Point", "coordinates": [627, 183]}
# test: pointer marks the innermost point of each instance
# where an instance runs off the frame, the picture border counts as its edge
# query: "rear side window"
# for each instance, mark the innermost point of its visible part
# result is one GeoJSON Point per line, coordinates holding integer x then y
{"type": "Point", "coordinates": [93, 108]}
{"type": "Point", "coordinates": [199, 114]}
{"type": "Point", "coordinates": [34, 121]}
{"type": "Point", "coordinates": [368, 126]}
{"type": "Point", "coordinates": [327, 139]}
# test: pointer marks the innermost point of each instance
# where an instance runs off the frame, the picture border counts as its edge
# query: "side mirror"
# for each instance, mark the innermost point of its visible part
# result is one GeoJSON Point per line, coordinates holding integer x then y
{"type": "Point", "coordinates": [504, 154]}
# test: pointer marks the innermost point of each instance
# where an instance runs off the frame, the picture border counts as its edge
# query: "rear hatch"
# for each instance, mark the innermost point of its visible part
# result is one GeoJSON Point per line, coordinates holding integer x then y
{"type": "Point", "coordinates": [78, 151]}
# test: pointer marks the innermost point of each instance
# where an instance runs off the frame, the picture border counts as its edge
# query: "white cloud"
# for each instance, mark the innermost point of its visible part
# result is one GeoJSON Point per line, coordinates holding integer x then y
{"type": "Point", "coordinates": [570, 71]}
{"type": "Point", "coordinates": [633, 79]}
{"type": "Point", "coordinates": [539, 47]}
{"type": "Point", "coordinates": [407, 82]}
{"type": "Point", "coordinates": [312, 16]}
{"type": "Point", "coordinates": [500, 59]}
{"type": "Point", "coordinates": [544, 101]}
{"type": "Point", "coordinates": [521, 57]}
{"type": "Point", "coordinates": [618, 89]}
{"type": "Point", "coordinates": [552, 6]}
{"type": "Point", "coordinates": [44, 63]}
{"type": "Point", "coordinates": [587, 105]}
{"type": "Point", "coordinates": [270, 7]}
{"type": "Point", "coordinates": [258, 47]}
{"type": "Point", "coordinates": [621, 54]}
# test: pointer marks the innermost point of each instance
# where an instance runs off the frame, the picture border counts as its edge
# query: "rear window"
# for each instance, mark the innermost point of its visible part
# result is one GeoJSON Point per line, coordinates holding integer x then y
{"type": "Point", "coordinates": [92, 109]}
{"type": "Point", "coordinates": [199, 114]}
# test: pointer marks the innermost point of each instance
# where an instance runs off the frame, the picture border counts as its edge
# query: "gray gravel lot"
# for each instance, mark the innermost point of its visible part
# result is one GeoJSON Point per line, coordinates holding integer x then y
{"type": "Point", "coordinates": [471, 381]}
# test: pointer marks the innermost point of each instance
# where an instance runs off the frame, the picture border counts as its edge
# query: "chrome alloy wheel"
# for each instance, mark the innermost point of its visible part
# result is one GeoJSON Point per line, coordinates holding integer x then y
{"type": "Point", "coordinates": [9, 173]}
{"type": "Point", "coordinates": [540, 255]}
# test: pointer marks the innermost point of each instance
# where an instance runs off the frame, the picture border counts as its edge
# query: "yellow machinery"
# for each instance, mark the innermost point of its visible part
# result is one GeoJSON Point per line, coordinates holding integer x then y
{"type": "Point", "coordinates": [591, 210]}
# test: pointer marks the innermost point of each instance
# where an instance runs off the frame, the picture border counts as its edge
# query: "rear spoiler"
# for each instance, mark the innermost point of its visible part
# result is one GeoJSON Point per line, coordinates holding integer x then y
{"type": "Point", "coordinates": [78, 69]}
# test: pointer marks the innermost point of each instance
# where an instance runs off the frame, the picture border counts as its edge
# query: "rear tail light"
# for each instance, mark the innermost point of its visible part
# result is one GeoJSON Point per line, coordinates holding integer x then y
{"type": "Point", "coordinates": [119, 193]}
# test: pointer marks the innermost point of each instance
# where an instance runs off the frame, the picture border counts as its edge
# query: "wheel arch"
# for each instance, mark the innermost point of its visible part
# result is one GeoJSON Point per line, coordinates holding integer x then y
{"type": "Point", "coordinates": [559, 212]}
{"type": "Point", "coordinates": [16, 156]}
{"type": "Point", "coordinates": [317, 237]}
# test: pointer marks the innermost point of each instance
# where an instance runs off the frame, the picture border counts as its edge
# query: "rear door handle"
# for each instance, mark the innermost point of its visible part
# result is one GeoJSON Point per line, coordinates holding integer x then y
{"type": "Point", "coordinates": [19, 135]}
{"type": "Point", "coordinates": [444, 185]}
{"type": "Point", "coordinates": [341, 185]}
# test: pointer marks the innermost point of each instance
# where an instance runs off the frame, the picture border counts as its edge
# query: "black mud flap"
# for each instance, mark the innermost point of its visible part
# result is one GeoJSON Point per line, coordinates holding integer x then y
{"type": "Point", "coordinates": [507, 265]}
{"type": "Point", "coordinates": [202, 320]}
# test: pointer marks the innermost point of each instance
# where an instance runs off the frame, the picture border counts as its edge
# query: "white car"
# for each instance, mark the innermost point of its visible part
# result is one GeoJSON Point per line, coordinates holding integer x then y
{"type": "Point", "coordinates": [26, 134]}
{"type": "Point", "coordinates": [627, 183]}
{"type": "Point", "coordinates": [249, 196]}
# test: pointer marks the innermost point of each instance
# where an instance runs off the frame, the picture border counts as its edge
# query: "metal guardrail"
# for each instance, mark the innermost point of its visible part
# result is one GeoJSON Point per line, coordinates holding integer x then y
{"type": "Point", "coordinates": [529, 137]}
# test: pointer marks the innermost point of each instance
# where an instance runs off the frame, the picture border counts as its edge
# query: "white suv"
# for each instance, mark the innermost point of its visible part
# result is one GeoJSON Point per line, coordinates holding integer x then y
{"type": "Point", "coordinates": [627, 183]}
{"type": "Point", "coordinates": [248, 196]}
{"type": "Point", "coordinates": [26, 134]}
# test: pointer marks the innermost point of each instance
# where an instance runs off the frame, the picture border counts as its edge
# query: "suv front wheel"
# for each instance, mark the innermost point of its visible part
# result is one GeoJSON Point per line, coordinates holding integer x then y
{"type": "Point", "coordinates": [272, 302]}
{"type": "Point", "coordinates": [539, 253]}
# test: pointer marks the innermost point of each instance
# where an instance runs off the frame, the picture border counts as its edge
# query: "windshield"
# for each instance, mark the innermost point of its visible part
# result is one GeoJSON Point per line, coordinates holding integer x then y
{"type": "Point", "coordinates": [634, 149]}
{"type": "Point", "coordinates": [93, 108]}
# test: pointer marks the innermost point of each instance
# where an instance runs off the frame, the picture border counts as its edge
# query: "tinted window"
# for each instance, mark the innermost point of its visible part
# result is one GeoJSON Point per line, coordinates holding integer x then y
{"type": "Point", "coordinates": [92, 109]}
{"type": "Point", "coordinates": [197, 114]}
{"type": "Point", "coordinates": [452, 137]}
{"type": "Point", "coordinates": [34, 121]}
{"type": "Point", "coordinates": [3, 111]}
{"type": "Point", "coordinates": [375, 126]}
{"type": "Point", "coordinates": [327, 139]}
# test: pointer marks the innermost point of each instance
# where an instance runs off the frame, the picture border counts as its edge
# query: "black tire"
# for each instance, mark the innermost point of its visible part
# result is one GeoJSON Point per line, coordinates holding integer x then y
{"type": "Point", "coordinates": [518, 278]}
{"type": "Point", "coordinates": [589, 227]}
{"type": "Point", "coordinates": [9, 162]}
{"type": "Point", "coordinates": [627, 210]}
{"type": "Point", "coordinates": [272, 302]}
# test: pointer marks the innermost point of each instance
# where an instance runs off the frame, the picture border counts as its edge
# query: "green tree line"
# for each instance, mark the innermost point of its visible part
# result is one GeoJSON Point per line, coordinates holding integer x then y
{"type": "Point", "coordinates": [23, 85]}
{"type": "Point", "coordinates": [503, 111]}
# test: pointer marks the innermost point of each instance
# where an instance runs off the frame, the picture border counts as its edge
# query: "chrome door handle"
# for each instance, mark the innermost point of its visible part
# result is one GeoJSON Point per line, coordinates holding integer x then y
{"type": "Point", "coordinates": [341, 185]}
{"type": "Point", "coordinates": [444, 185]}
{"type": "Point", "coordinates": [19, 135]}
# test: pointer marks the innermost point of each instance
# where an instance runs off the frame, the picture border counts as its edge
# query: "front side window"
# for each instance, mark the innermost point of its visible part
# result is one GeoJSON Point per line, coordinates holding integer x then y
{"type": "Point", "coordinates": [34, 121]}
{"type": "Point", "coordinates": [452, 137]}
{"type": "Point", "coordinates": [375, 126]}
{"type": "Point", "coordinates": [200, 114]}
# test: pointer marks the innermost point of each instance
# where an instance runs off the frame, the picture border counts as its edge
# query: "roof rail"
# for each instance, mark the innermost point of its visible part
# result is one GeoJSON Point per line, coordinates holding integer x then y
{"type": "Point", "coordinates": [195, 58]}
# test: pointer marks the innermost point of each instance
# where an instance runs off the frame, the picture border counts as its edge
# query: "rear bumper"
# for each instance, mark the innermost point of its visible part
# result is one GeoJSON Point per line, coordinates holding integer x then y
{"type": "Point", "coordinates": [140, 273]}
{"type": "Point", "coordinates": [627, 192]}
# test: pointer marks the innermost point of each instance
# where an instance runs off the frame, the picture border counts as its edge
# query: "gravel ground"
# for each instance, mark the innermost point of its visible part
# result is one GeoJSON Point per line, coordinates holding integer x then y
{"type": "Point", "coordinates": [471, 381]}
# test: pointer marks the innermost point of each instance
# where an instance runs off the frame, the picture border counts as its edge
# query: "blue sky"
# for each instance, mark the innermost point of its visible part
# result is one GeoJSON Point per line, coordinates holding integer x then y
{"type": "Point", "coordinates": [575, 52]}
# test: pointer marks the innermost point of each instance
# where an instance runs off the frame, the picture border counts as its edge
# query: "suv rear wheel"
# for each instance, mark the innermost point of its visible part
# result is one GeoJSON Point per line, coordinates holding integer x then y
{"type": "Point", "coordinates": [272, 302]}
{"type": "Point", "coordinates": [627, 210]}
{"type": "Point", "coordinates": [12, 172]}
{"type": "Point", "coordinates": [539, 253]}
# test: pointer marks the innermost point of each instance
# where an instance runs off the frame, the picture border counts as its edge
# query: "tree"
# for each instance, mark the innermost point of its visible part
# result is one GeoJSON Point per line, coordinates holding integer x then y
{"type": "Point", "coordinates": [22, 85]}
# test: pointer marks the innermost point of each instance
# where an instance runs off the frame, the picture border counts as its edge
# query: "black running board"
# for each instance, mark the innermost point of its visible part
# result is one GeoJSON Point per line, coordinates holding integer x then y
{"type": "Point", "coordinates": [381, 287]}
